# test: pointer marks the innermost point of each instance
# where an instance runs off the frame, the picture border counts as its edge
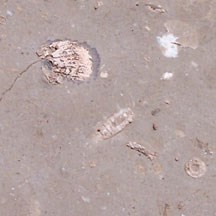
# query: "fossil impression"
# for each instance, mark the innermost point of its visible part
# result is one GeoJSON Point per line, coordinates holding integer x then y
{"type": "Point", "coordinates": [71, 60]}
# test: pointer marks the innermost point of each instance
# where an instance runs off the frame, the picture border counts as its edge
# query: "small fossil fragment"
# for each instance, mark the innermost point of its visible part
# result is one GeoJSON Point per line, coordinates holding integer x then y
{"type": "Point", "coordinates": [92, 164]}
{"type": "Point", "coordinates": [115, 123]}
{"type": "Point", "coordinates": [98, 4]}
{"type": "Point", "coordinates": [195, 168]}
{"type": "Point", "coordinates": [155, 8]}
{"type": "Point", "coordinates": [180, 133]}
{"type": "Point", "coordinates": [135, 146]}
{"type": "Point", "coordinates": [154, 126]}
{"type": "Point", "coordinates": [70, 60]}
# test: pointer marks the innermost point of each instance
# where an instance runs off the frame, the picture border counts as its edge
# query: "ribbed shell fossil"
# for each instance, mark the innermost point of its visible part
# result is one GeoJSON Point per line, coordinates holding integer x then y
{"type": "Point", "coordinates": [69, 60]}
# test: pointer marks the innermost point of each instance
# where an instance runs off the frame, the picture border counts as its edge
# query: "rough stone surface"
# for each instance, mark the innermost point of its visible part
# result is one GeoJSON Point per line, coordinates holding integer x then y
{"type": "Point", "coordinates": [50, 165]}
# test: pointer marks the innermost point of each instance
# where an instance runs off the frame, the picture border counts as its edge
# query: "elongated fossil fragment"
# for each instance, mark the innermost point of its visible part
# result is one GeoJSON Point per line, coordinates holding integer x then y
{"type": "Point", "coordinates": [136, 146]}
{"type": "Point", "coordinates": [115, 123]}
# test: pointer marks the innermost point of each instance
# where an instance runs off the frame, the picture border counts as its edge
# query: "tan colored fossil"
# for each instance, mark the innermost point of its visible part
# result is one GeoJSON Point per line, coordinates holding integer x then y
{"type": "Point", "coordinates": [68, 59]}
{"type": "Point", "coordinates": [115, 123]}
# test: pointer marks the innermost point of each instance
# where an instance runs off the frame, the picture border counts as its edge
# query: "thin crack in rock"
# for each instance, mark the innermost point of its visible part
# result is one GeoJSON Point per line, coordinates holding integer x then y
{"type": "Point", "coordinates": [16, 78]}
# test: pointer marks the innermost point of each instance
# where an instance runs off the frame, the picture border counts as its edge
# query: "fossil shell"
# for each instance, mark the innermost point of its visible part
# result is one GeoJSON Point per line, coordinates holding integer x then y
{"type": "Point", "coordinates": [69, 59]}
{"type": "Point", "coordinates": [195, 168]}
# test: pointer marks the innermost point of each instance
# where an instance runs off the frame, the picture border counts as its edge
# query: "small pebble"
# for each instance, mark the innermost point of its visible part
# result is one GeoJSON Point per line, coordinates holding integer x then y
{"type": "Point", "coordinates": [154, 126]}
{"type": "Point", "coordinates": [167, 102]}
{"type": "Point", "coordinates": [176, 159]}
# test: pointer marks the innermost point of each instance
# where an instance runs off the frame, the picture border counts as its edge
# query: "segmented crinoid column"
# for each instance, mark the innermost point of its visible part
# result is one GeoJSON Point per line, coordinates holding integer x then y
{"type": "Point", "coordinates": [115, 123]}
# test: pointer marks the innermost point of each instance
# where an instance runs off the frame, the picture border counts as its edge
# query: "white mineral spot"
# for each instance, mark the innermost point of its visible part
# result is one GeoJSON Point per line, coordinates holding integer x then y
{"type": "Point", "coordinates": [104, 74]}
{"type": "Point", "coordinates": [147, 28]}
{"type": "Point", "coordinates": [9, 13]}
{"type": "Point", "coordinates": [85, 199]}
{"type": "Point", "coordinates": [167, 76]}
{"type": "Point", "coordinates": [169, 47]}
